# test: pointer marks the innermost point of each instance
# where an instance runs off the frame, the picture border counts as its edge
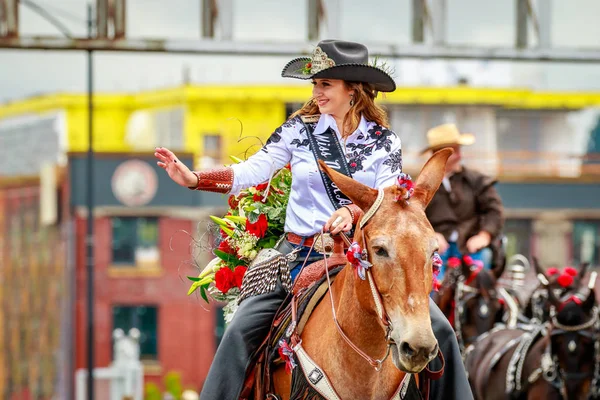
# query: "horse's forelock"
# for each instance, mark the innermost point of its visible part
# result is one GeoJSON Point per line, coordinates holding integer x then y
{"type": "Point", "coordinates": [486, 280]}
{"type": "Point", "coordinates": [572, 314]}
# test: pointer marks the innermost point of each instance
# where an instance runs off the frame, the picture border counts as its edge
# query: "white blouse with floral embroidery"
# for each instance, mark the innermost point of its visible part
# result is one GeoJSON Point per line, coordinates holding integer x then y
{"type": "Point", "coordinates": [373, 153]}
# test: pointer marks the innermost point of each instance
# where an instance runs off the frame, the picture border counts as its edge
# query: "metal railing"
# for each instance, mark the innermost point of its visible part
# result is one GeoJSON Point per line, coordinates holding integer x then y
{"type": "Point", "coordinates": [522, 164]}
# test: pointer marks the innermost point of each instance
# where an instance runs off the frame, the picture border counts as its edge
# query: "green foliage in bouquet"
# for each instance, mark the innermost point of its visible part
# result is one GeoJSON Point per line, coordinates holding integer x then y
{"type": "Point", "coordinates": [255, 221]}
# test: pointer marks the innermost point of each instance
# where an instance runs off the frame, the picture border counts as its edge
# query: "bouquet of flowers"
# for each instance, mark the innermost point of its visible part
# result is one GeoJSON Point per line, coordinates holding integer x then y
{"type": "Point", "coordinates": [254, 221]}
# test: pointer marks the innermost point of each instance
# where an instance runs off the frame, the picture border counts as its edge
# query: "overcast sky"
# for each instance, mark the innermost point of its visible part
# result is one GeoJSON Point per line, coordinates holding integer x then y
{"type": "Point", "coordinates": [476, 22]}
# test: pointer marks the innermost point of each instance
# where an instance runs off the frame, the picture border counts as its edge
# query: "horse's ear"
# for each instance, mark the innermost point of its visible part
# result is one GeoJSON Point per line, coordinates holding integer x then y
{"type": "Point", "coordinates": [431, 176]}
{"type": "Point", "coordinates": [540, 273]}
{"type": "Point", "coordinates": [361, 195]}
{"type": "Point", "coordinates": [590, 301]}
{"type": "Point", "coordinates": [582, 271]}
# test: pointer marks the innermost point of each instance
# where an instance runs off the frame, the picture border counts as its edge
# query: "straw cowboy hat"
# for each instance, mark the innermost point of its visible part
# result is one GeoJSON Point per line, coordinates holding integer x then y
{"type": "Point", "coordinates": [447, 135]}
{"type": "Point", "coordinates": [338, 59]}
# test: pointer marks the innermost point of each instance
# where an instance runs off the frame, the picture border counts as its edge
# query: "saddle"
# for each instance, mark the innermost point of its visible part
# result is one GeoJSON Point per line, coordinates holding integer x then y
{"type": "Point", "coordinates": [309, 288]}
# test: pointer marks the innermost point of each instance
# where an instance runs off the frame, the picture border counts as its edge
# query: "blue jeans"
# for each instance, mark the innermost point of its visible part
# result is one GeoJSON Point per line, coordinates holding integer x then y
{"type": "Point", "coordinates": [484, 256]}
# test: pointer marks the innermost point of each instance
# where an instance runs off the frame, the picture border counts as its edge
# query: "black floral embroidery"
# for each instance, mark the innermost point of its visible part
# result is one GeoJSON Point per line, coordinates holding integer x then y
{"type": "Point", "coordinates": [290, 123]}
{"type": "Point", "coordinates": [274, 138]}
{"type": "Point", "coordinates": [355, 160]}
{"type": "Point", "coordinates": [394, 161]}
{"type": "Point", "coordinates": [381, 139]}
{"type": "Point", "coordinates": [303, 143]}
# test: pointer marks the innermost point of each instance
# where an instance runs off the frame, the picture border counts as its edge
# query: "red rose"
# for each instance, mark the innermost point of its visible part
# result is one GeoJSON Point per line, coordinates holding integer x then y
{"type": "Point", "coordinates": [353, 165]}
{"type": "Point", "coordinates": [225, 247]}
{"type": "Point", "coordinates": [239, 273]}
{"type": "Point", "coordinates": [552, 271]}
{"type": "Point", "coordinates": [259, 228]}
{"type": "Point", "coordinates": [570, 271]}
{"type": "Point", "coordinates": [258, 197]}
{"type": "Point", "coordinates": [224, 279]}
{"type": "Point", "coordinates": [262, 186]}
{"type": "Point", "coordinates": [308, 65]}
{"type": "Point", "coordinates": [233, 202]}
{"type": "Point", "coordinates": [453, 262]}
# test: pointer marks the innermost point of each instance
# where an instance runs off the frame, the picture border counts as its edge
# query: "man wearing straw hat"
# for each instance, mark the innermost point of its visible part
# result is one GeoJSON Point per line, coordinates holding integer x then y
{"type": "Point", "coordinates": [466, 212]}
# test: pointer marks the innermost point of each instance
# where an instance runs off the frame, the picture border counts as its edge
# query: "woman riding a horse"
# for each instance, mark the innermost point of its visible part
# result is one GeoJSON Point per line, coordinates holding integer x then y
{"type": "Point", "coordinates": [342, 127]}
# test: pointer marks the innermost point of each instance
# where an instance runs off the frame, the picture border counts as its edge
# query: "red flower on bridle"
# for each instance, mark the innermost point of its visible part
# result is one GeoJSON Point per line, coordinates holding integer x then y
{"type": "Point", "coordinates": [287, 355]}
{"type": "Point", "coordinates": [436, 263]}
{"type": "Point", "coordinates": [454, 262]}
{"type": "Point", "coordinates": [358, 259]}
{"type": "Point", "coordinates": [407, 186]}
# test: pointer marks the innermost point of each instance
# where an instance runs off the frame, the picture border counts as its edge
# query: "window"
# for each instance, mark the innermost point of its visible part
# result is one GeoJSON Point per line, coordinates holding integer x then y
{"type": "Point", "coordinates": [219, 325]}
{"type": "Point", "coordinates": [145, 319]}
{"type": "Point", "coordinates": [585, 242]}
{"type": "Point", "coordinates": [135, 241]}
{"type": "Point", "coordinates": [212, 147]}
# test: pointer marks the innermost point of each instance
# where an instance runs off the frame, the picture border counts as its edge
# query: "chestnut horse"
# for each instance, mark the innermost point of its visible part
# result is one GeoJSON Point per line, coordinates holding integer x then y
{"type": "Point", "coordinates": [557, 360]}
{"type": "Point", "coordinates": [400, 244]}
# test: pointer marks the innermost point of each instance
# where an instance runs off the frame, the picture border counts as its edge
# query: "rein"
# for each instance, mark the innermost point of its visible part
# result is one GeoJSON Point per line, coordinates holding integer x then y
{"type": "Point", "coordinates": [381, 313]}
{"type": "Point", "coordinates": [383, 317]}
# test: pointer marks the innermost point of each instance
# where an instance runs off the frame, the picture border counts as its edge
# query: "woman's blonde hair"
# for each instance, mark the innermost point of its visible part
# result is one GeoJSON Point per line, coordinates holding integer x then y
{"type": "Point", "coordinates": [364, 104]}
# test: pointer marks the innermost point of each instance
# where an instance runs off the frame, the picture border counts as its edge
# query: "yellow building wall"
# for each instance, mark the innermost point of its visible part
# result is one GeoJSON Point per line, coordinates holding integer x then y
{"type": "Point", "coordinates": [246, 115]}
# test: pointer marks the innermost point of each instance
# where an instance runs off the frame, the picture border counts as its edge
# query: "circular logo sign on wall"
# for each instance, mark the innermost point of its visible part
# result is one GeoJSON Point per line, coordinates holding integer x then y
{"type": "Point", "coordinates": [134, 183]}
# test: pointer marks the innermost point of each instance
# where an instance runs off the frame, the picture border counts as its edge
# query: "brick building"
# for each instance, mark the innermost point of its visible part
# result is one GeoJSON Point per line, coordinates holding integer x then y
{"type": "Point", "coordinates": [144, 234]}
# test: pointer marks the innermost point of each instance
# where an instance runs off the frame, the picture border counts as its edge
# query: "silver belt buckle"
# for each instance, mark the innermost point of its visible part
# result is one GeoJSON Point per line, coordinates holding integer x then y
{"type": "Point", "coordinates": [324, 246]}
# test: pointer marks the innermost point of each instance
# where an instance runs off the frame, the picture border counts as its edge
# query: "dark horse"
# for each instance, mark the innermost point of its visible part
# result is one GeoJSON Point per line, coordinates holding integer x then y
{"type": "Point", "coordinates": [538, 306]}
{"type": "Point", "coordinates": [559, 359]}
{"type": "Point", "coordinates": [472, 302]}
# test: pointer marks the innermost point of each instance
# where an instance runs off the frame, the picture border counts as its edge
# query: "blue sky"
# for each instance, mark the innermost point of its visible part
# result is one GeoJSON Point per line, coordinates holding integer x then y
{"type": "Point", "coordinates": [476, 22]}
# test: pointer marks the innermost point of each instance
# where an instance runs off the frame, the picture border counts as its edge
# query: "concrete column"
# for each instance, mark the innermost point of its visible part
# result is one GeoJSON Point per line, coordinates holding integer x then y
{"type": "Point", "coordinates": [552, 235]}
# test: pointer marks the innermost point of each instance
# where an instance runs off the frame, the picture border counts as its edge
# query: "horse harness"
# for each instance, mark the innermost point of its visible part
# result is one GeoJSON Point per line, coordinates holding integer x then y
{"type": "Point", "coordinates": [549, 369]}
{"type": "Point", "coordinates": [314, 374]}
{"type": "Point", "coordinates": [463, 293]}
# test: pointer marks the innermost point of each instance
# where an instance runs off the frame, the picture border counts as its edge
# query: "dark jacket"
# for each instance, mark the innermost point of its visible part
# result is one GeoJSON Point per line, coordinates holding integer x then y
{"type": "Point", "coordinates": [472, 205]}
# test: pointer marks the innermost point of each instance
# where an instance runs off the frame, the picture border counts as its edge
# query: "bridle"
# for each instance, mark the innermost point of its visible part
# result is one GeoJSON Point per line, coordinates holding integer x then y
{"type": "Point", "coordinates": [550, 368]}
{"type": "Point", "coordinates": [376, 363]}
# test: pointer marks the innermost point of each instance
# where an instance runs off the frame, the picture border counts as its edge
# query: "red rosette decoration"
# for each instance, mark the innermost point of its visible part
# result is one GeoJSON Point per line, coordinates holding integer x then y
{"type": "Point", "coordinates": [565, 280]}
{"type": "Point", "coordinates": [453, 262]}
{"type": "Point", "coordinates": [287, 355]}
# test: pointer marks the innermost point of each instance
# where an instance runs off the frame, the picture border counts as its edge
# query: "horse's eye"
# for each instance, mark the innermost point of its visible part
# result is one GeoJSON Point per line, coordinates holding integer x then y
{"type": "Point", "coordinates": [381, 252]}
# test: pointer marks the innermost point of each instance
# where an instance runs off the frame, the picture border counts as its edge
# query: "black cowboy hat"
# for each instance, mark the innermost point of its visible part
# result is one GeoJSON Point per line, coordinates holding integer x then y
{"type": "Point", "coordinates": [338, 59]}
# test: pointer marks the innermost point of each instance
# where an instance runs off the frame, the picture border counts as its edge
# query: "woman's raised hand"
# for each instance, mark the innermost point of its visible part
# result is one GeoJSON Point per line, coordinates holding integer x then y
{"type": "Point", "coordinates": [176, 170]}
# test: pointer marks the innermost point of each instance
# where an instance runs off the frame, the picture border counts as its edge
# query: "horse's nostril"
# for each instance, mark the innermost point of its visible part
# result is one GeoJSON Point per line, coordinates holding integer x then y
{"type": "Point", "coordinates": [434, 352]}
{"type": "Point", "coordinates": [406, 350]}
